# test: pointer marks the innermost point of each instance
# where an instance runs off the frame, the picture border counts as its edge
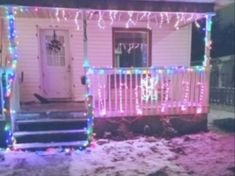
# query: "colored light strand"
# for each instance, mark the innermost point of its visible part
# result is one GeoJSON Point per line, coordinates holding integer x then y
{"type": "Point", "coordinates": [9, 74]}
{"type": "Point", "coordinates": [208, 41]}
{"type": "Point", "coordinates": [101, 22]}
{"type": "Point", "coordinates": [57, 14]}
{"type": "Point", "coordinates": [130, 20]}
{"type": "Point", "coordinates": [64, 15]}
{"type": "Point", "coordinates": [76, 20]}
{"type": "Point", "coordinates": [186, 95]}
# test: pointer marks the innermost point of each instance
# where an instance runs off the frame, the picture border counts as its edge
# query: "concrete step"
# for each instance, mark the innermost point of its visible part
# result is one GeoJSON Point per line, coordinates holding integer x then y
{"type": "Point", "coordinates": [51, 115]}
{"type": "Point", "coordinates": [30, 133]}
{"type": "Point", "coordinates": [50, 124]}
{"type": "Point", "coordinates": [50, 144]}
{"type": "Point", "coordinates": [50, 136]}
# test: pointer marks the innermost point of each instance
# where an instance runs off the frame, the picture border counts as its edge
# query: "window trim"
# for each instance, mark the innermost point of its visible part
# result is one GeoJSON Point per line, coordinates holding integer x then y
{"type": "Point", "coordinates": [149, 33]}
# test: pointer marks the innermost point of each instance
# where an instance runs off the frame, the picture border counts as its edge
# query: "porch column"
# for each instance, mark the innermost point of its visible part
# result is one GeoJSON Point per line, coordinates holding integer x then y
{"type": "Point", "coordinates": [1, 41]}
{"type": "Point", "coordinates": [88, 95]}
{"type": "Point", "coordinates": [85, 46]}
{"type": "Point", "coordinates": [207, 55]}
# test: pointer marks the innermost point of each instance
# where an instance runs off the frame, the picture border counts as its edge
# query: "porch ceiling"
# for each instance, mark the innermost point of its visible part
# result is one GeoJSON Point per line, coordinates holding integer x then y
{"type": "Point", "coordinates": [200, 6]}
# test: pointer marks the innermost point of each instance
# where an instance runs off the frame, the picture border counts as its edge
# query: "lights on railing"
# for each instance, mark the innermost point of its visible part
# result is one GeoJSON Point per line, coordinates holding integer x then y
{"type": "Point", "coordinates": [148, 88]}
{"type": "Point", "coordinates": [186, 87]}
{"type": "Point", "coordinates": [145, 71]}
{"type": "Point", "coordinates": [152, 83]}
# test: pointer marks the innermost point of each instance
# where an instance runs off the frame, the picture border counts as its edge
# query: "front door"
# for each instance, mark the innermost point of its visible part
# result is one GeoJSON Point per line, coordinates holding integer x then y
{"type": "Point", "coordinates": [55, 63]}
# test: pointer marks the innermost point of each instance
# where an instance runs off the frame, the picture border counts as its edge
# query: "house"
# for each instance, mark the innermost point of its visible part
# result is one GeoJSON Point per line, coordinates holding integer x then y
{"type": "Point", "coordinates": [135, 56]}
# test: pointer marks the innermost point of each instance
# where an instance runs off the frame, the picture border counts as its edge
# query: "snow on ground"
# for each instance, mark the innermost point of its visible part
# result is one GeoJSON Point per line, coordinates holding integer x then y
{"type": "Point", "coordinates": [203, 154]}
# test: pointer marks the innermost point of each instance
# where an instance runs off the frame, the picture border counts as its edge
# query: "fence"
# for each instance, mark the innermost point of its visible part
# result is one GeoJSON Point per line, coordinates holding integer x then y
{"type": "Point", "coordinates": [148, 91]}
{"type": "Point", "coordinates": [222, 84]}
{"type": "Point", "coordinates": [222, 96]}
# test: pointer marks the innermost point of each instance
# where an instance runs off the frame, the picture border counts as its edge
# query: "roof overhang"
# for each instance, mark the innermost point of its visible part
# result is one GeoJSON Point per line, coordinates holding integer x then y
{"type": "Point", "coordinates": [126, 5]}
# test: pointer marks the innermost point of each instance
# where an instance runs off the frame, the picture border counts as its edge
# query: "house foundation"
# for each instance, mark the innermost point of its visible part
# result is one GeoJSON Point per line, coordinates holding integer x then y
{"type": "Point", "coordinates": [167, 126]}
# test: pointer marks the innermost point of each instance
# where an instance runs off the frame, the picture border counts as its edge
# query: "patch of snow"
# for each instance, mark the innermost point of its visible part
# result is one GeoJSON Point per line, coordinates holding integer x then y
{"type": "Point", "coordinates": [203, 154]}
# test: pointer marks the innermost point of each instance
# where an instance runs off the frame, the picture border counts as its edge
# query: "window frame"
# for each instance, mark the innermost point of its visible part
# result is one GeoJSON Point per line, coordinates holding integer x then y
{"type": "Point", "coordinates": [149, 34]}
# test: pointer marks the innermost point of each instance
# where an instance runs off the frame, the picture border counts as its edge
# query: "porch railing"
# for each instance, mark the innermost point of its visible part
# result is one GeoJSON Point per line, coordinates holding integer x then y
{"type": "Point", "coordinates": [148, 91]}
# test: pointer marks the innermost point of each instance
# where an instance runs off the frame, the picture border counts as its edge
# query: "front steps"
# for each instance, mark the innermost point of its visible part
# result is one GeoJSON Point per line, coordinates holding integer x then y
{"type": "Point", "coordinates": [55, 129]}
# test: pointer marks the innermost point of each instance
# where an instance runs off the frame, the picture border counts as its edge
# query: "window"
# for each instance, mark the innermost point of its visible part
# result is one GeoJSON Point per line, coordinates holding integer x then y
{"type": "Point", "coordinates": [55, 50]}
{"type": "Point", "coordinates": [131, 47]}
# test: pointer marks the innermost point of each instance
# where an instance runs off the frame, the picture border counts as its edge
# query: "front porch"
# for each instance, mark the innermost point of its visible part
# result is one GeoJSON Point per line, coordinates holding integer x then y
{"type": "Point", "coordinates": [155, 84]}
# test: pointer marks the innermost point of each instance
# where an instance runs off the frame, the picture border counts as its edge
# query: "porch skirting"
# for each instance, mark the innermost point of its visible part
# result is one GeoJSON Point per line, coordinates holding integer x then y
{"type": "Point", "coordinates": [167, 126]}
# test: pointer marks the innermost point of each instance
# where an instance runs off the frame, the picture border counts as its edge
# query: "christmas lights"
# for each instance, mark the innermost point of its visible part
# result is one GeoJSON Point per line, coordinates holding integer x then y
{"type": "Point", "coordinates": [145, 89]}
{"type": "Point", "coordinates": [186, 95]}
{"type": "Point", "coordinates": [64, 15]}
{"type": "Point", "coordinates": [57, 14]}
{"type": "Point", "coordinates": [101, 22]}
{"type": "Point", "coordinates": [9, 75]}
{"type": "Point", "coordinates": [148, 88]}
{"type": "Point", "coordinates": [130, 20]}
{"type": "Point", "coordinates": [76, 20]}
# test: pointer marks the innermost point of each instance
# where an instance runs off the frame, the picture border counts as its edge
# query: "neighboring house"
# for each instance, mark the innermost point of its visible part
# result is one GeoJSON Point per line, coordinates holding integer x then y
{"type": "Point", "coordinates": [135, 55]}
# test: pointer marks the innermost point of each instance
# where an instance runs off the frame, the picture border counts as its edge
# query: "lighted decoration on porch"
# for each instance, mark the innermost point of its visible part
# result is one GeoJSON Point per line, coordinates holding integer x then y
{"type": "Point", "coordinates": [57, 14]}
{"type": "Point", "coordinates": [148, 88]}
{"type": "Point", "coordinates": [202, 90]}
{"type": "Point", "coordinates": [54, 45]}
{"type": "Point", "coordinates": [130, 20]}
{"type": "Point", "coordinates": [9, 75]}
{"type": "Point", "coordinates": [101, 22]}
{"type": "Point", "coordinates": [133, 17]}
{"type": "Point", "coordinates": [186, 89]}
{"type": "Point", "coordinates": [165, 88]}
{"type": "Point", "coordinates": [101, 102]}
{"type": "Point", "coordinates": [7, 80]}
{"type": "Point", "coordinates": [76, 20]}
{"type": "Point", "coordinates": [208, 41]}
{"type": "Point", "coordinates": [120, 96]}
{"type": "Point", "coordinates": [137, 103]}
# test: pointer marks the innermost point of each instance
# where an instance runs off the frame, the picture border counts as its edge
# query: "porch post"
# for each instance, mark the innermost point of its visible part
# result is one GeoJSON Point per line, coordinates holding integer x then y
{"type": "Point", "coordinates": [86, 66]}
{"type": "Point", "coordinates": [207, 58]}
{"type": "Point", "coordinates": [207, 55]}
{"type": "Point", "coordinates": [85, 45]}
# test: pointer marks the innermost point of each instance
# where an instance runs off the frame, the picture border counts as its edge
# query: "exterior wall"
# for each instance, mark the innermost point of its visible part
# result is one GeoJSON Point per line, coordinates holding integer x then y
{"type": "Point", "coordinates": [169, 48]}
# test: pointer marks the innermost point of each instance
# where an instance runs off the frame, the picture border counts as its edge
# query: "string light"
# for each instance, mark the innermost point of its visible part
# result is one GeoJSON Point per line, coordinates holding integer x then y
{"type": "Point", "coordinates": [148, 20]}
{"type": "Point", "coordinates": [186, 95]}
{"type": "Point", "coordinates": [144, 15]}
{"type": "Point", "coordinates": [130, 20]}
{"type": "Point", "coordinates": [167, 17]}
{"type": "Point", "coordinates": [76, 20]}
{"type": "Point", "coordinates": [57, 14]}
{"type": "Point", "coordinates": [9, 75]}
{"type": "Point", "coordinates": [161, 20]}
{"type": "Point", "coordinates": [147, 90]}
{"type": "Point", "coordinates": [64, 15]}
{"type": "Point", "coordinates": [101, 22]}
{"type": "Point", "coordinates": [90, 16]}
{"type": "Point", "coordinates": [111, 17]}
{"type": "Point", "coordinates": [177, 21]}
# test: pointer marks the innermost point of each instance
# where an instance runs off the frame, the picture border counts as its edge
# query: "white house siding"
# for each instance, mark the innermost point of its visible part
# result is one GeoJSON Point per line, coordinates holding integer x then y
{"type": "Point", "coordinates": [169, 48]}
